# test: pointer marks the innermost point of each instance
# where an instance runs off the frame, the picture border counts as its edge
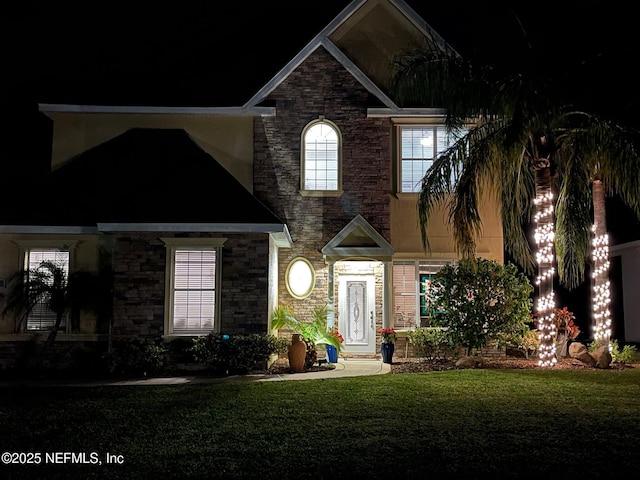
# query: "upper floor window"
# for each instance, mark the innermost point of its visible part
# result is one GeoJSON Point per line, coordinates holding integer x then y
{"type": "Point", "coordinates": [419, 147]}
{"type": "Point", "coordinates": [38, 260]}
{"type": "Point", "coordinates": [321, 157]}
{"type": "Point", "coordinates": [193, 293]}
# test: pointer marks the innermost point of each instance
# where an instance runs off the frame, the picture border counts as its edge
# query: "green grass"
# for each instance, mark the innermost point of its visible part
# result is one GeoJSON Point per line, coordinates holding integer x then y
{"type": "Point", "coordinates": [454, 424]}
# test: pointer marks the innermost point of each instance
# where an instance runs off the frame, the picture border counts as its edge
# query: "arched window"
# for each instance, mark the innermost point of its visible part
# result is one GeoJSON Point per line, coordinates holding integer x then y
{"type": "Point", "coordinates": [321, 157]}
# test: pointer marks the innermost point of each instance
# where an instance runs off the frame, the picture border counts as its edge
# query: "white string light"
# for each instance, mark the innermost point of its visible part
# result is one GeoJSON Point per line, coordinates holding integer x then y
{"type": "Point", "coordinates": [544, 235]}
{"type": "Point", "coordinates": [601, 289]}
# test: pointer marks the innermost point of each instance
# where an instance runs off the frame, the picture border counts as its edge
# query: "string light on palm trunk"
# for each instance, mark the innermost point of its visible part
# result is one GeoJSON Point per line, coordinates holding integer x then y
{"type": "Point", "coordinates": [544, 236]}
{"type": "Point", "coordinates": [601, 289]}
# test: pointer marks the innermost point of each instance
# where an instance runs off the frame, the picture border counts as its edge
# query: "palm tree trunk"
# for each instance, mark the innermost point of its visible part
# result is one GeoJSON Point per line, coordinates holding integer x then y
{"type": "Point", "coordinates": [50, 338]}
{"type": "Point", "coordinates": [600, 276]}
{"type": "Point", "coordinates": [545, 257]}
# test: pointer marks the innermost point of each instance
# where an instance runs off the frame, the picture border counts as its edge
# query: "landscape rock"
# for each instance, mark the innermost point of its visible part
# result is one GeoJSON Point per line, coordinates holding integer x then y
{"type": "Point", "coordinates": [603, 357]}
{"type": "Point", "coordinates": [470, 362]}
{"type": "Point", "coordinates": [579, 352]}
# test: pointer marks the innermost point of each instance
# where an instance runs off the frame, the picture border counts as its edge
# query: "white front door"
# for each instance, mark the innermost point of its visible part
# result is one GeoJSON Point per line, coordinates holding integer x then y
{"type": "Point", "coordinates": [356, 309]}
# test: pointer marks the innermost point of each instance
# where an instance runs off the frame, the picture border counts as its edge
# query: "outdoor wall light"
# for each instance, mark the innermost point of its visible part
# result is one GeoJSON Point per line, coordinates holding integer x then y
{"type": "Point", "coordinates": [300, 277]}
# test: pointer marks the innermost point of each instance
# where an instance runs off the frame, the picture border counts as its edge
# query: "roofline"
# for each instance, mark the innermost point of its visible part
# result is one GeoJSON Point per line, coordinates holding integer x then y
{"type": "Point", "coordinates": [406, 112]}
{"type": "Point", "coordinates": [302, 56]}
{"type": "Point", "coordinates": [322, 38]}
{"type": "Point", "coordinates": [622, 247]}
{"type": "Point", "coordinates": [55, 229]}
{"type": "Point", "coordinates": [358, 74]}
{"type": "Point", "coordinates": [245, 111]}
{"type": "Point", "coordinates": [279, 230]}
{"type": "Point", "coordinates": [422, 25]}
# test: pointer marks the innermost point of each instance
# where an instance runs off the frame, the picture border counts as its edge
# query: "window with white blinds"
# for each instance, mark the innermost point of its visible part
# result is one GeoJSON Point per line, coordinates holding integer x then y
{"type": "Point", "coordinates": [419, 147]}
{"type": "Point", "coordinates": [411, 281]}
{"type": "Point", "coordinates": [321, 157]}
{"type": "Point", "coordinates": [194, 290]}
{"type": "Point", "coordinates": [40, 317]}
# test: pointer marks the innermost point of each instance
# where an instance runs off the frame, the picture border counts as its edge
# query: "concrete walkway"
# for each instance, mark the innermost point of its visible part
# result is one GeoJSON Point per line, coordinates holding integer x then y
{"type": "Point", "coordinates": [346, 367]}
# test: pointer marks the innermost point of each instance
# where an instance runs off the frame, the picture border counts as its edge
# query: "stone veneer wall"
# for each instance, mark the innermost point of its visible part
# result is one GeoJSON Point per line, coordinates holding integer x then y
{"type": "Point", "coordinates": [139, 267]}
{"type": "Point", "coordinates": [320, 86]}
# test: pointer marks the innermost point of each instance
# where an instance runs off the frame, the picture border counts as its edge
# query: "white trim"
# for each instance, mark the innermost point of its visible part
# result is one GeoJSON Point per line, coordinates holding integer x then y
{"type": "Point", "coordinates": [323, 39]}
{"type": "Point", "coordinates": [381, 252]}
{"type": "Point", "coordinates": [193, 227]}
{"type": "Point", "coordinates": [246, 111]}
{"type": "Point", "coordinates": [406, 113]}
{"type": "Point", "coordinates": [303, 159]}
{"type": "Point", "coordinates": [194, 243]}
{"type": "Point", "coordinates": [31, 243]}
{"type": "Point", "coordinates": [622, 247]}
{"type": "Point", "coordinates": [174, 244]}
{"type": "Point", "coordinates": [48, 229]}
{"type": "Point", "coordinates": [358, 74]}
{"type": "Point", "coordinates": [422, 25]}
{"type": "Point", "coordinates": [288, 280]}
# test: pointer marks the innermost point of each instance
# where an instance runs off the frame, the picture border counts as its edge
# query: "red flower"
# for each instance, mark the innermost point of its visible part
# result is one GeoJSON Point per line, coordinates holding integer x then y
{"type": "Point", "coordinates": [335, 333]}
{"type": "Point", "coordinates": [388, 335]}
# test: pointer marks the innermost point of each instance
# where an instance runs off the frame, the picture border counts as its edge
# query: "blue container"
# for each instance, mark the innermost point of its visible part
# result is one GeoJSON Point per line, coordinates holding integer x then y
{"type": "Point", "coordinates": [332, 354]}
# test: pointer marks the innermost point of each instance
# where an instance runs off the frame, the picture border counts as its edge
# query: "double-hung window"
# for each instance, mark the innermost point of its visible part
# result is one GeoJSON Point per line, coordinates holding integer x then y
{"type": "Point", "coordinates": [321, 158]}
{"type": "Point", "coordinates": [41, 317]}
{"type": "Point", "coordinates": [193, 285]}
{"type": "Point", "coordinates": [411, 280]}
{"type": "Point", "coordinates": [420, 145]}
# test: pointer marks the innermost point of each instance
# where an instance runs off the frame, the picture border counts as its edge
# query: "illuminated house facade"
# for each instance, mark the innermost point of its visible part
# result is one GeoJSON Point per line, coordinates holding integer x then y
{"type": "Point", "coordinates": [210, 217]}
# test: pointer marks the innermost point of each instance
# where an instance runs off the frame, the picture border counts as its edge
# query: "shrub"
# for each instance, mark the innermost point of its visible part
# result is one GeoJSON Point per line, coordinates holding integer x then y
{"type": "Point", "coordinates": [137, 356]}
{"type": "Point", "coordinates": [625, 355]}
{"type": "Point", "coordinates": [525, 340]}
{"type": "Point", "coordinates": [236, 353]}
{"type": "Point", "coordinates": [430, 342]}
{"type": "Point", "coordinates": [480, 300]}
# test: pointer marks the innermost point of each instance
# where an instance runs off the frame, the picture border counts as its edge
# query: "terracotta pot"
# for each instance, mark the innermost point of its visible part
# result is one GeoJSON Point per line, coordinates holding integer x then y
{"type": "Point", "coordinates": [297, 353]}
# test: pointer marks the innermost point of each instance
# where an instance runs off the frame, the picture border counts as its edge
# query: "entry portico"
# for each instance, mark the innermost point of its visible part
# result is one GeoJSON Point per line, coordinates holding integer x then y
{"type": "Point", "coordinates": [359, 274]}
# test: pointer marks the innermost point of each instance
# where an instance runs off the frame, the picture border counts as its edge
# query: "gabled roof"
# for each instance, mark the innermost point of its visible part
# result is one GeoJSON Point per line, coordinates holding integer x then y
{"type": "Point", "coordinates": [358, 239]}
{"type": "Point", "coordinates": [235, 76]}
{"type": "Point", "coordinates": [330, 38]}
{"type": "Point", "coordinates": [142, 180]}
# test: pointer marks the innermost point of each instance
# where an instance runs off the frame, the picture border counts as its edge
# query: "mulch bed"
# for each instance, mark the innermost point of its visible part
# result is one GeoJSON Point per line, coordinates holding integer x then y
{"type": "Point", "coordinates": [412, 365]}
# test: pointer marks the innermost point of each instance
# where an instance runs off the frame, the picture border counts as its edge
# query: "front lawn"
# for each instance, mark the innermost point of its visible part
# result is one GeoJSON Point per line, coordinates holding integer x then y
{"type": "Point", "coordinates": [461, 423]}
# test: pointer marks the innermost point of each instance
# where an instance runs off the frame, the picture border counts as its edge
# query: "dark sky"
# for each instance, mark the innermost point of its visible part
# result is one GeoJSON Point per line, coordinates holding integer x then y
{"type": "Point", "coordinates": [206, 52]}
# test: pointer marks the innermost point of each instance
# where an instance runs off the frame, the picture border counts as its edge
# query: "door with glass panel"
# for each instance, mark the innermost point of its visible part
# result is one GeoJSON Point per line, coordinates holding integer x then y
{"type": "Point", "coordinates": [356, 313]}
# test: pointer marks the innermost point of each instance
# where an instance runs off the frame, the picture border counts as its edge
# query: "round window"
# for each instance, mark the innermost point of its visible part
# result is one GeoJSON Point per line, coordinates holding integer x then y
{"type": "Point", "coordinates": [300, 277]}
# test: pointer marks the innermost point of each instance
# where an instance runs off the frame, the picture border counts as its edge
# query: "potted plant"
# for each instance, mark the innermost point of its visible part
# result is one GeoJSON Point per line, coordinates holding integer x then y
{"type": "Point", "coordinates": [332, 351]}
{"type": "Point", "coordinates": [387, 345]}
{"type": "Point", "coordinates": [313, 332]}
{"type": "Point", "coordinates": [566, 330]}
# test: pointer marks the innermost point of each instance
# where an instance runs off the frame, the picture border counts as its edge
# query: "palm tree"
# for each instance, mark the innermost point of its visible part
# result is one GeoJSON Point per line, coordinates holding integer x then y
{"type": "Point", "coordinates": [526, 141]}
{"type": "Point", "coordinates": [50, 286]}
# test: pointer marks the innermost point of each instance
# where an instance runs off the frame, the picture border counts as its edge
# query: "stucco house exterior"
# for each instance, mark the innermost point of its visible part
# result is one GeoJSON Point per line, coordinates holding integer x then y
{"type": "Point", "coordinates": [209, 217]}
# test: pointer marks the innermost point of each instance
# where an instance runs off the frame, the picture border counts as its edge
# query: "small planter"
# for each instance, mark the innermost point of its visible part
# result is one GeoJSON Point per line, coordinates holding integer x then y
{"type": "Point", "coordinates": [332, 354]}
{"type": "Point", "coordinates": [387, 349]}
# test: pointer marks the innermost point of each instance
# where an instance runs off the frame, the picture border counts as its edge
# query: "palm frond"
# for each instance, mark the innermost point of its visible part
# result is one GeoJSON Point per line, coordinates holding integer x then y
{"type": "Point", "coordinates": [573, 222]}
{"type": "Point", "coordinates": [517, 194]}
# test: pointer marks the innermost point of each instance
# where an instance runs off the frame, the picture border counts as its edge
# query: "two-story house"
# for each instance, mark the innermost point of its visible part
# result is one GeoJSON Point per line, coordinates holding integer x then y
{"type": "Point", "coordinates": [209, 217]}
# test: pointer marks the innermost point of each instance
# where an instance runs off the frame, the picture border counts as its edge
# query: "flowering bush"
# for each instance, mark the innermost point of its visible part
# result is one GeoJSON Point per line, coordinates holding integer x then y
{"type": "Point", "coordinates": [565, 327]}
{"type": "Point", "coordinates": [388, 335]}
{"type": "Point", "coordinates": [333, 332]}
